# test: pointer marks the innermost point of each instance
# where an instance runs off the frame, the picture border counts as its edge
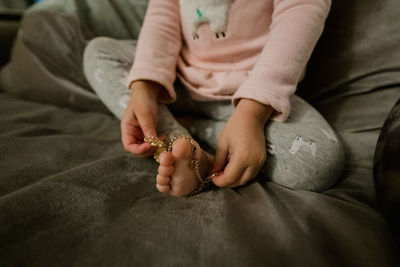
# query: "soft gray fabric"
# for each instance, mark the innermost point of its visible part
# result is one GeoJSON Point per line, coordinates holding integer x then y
{"type": "Point", "coordinates": [48, 52]}
{"type": "Point", "coordinates": [114, 18]}
{"type": "Point", "coordinates": [359, 51]}
{"type": "Point", "coordinates": [106, 64]}
{"type": "Point", "coordinates": [70, 195]}
{"type": "Point", "coordinates": [14, 4]}
{"type": "Point", "coordinates": [50, 62]}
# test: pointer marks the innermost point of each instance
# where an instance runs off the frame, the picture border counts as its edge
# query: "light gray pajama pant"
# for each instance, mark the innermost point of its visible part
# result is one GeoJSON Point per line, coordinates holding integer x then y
{"type": "Point", "coordinates": [303, 152]}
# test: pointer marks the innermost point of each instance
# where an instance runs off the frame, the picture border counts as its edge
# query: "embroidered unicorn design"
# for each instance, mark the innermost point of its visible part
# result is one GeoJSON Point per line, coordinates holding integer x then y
{"type": "Point", "coordinates": [299, 144]}
{"type": "Point", "coordinates": [214, 12]}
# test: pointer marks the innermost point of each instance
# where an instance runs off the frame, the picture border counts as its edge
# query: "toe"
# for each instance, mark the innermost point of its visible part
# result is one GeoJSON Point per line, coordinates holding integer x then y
{"type": "Point", "coordinates": [162, 180]}
{"type": "Point", "coordinates": [165, 170]}
{"type": "Point", "coordinates": [163, 188]}
{"type": "Point", "coordinates": [182, 149]}
{"type": "Point", "coordinates": [166, 159]}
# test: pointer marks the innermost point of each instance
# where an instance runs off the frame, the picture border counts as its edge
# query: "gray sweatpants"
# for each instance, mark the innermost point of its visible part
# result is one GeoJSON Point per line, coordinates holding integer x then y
{"type": "Point", "coordinates": [303, 152]}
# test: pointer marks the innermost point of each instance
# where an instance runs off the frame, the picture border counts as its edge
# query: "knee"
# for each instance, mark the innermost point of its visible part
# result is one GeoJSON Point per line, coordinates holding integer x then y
{"type": "Point", "coordinates": [324, 171]}
{"type": "Point", "coordinates": [93, 56]}
{"type": "Point", "coordinates": [313, 172]}
{"type": "Point", "coordinates": [96, 48]}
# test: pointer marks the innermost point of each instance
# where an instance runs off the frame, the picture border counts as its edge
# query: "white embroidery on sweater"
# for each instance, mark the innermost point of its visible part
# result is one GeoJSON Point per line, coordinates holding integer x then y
{"type": "Point", "coordinates": [214, 12]}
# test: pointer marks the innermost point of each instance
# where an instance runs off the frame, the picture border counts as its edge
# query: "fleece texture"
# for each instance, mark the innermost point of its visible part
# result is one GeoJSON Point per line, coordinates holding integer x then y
{"type": "Point", "coordinates": [228, 50]}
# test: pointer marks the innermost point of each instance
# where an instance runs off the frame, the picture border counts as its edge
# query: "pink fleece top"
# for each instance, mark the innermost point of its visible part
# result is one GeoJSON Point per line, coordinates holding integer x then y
{"type": "Point", "coordinates": [229, 49]}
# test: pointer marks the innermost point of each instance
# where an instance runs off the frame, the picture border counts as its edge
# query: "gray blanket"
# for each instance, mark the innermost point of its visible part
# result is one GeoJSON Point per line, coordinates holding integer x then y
{"type": "Point", "coordinates": [71, 196]}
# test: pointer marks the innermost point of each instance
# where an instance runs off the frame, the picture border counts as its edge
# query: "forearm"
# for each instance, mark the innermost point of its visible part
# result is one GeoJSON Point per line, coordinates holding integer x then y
{"type": "Point", "coordinates": [158, 47]}
{"type": "Point", "coordinates": [295, 29]}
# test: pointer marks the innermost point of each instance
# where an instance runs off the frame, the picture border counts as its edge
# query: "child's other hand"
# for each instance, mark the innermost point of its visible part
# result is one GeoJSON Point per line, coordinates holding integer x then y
{"type": "Point", "coordinates": [241, 147]}
{"type": "Point", "coordinates": [140, 117]}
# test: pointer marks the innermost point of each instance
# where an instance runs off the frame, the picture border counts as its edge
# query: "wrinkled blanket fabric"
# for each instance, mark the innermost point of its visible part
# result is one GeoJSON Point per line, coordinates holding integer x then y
{"type": "Point", "coordinates": [71, 196]}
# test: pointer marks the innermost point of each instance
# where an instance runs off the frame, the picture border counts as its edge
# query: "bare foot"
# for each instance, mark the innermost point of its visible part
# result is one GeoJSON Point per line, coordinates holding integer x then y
{"type": "Point", "coordinates": [175, 175]}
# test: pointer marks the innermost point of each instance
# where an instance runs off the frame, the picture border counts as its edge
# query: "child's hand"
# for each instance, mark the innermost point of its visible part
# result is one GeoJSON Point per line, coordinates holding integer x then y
{"type": "Point", "coordinates": [140, 117]}
{"type": "Point", "coordinates": [241, 147]}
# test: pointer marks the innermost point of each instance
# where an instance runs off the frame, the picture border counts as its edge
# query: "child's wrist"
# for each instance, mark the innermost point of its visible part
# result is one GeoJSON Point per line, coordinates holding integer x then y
{"type": "Point", "coordinates": [255, 110]}
{"type": "Point", "coordinates": [150, 88]}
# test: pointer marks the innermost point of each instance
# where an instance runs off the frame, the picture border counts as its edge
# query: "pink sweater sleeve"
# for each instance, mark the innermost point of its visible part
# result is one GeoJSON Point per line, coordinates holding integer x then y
{"type": "Point", "coordinates": [159, 46]}
{"type": "Point", "coordinates": [295, 29]}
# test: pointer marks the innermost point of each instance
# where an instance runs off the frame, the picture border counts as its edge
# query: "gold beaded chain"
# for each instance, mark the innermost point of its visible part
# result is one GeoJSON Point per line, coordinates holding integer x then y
{"type": "Point", "coordinates": [162, 146]}
{"type": "Point", "coordinates": [158, 145]}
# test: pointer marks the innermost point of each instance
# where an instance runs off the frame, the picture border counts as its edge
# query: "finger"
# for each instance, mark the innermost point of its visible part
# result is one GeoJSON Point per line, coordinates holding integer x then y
{"type": "Point", "coordinates": [132, 142]}
{"type": "Point", "coordinates": [143, 149]}
{"type": "Point", "coordinates": [220, 159]}
{"type": "Point", "coordinates": [124, 136]}
{"type": "Point", "coordinates": [246, 176]}
{"type": "Point", "coordinates": [147, 124]}
{"type": "Point", "coordinates": [128, 137]}
{"type": "Point", "coordinates": [132, 137]}
{"type": "Point", "coordinates": [232, 173]}
{"type": "Point", "coordinates": [130, 127]}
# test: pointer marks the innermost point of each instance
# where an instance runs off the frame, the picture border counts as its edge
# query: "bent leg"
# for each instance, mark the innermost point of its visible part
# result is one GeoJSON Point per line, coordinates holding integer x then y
{"type": "Point", "coordinates": [305, 153]}
{"type": "Point", "coordinates": [106, 65]}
